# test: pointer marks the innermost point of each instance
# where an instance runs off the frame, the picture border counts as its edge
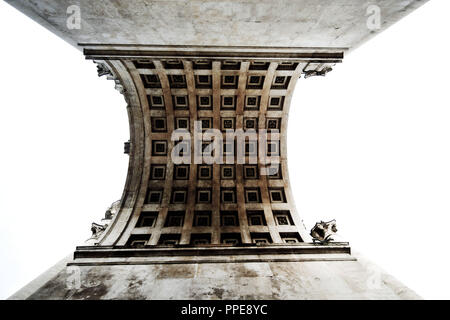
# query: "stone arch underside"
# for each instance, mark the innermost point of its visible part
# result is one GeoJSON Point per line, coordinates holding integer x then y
{"type": "Point", "coordinates": [182, 207]}
{"type": "Point", "coordinates": [200, 231]}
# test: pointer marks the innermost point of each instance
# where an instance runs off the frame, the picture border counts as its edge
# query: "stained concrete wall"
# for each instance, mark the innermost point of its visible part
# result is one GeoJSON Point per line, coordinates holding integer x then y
{"type": "Point", "coordinates": [255, 280]}
{"type": "Point", "coordinates": [287, 23]}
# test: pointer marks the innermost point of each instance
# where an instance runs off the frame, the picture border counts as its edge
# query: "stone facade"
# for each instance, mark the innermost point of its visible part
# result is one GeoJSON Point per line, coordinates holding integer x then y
{"type": "Point", "coordinates": [219, 230]}
{"type": "Point", "coordinates": [233, 280]}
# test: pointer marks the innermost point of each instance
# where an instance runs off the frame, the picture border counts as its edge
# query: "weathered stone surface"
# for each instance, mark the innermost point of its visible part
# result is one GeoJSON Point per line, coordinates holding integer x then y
{"type": "Point", "coordinates": [287, 23]}
{"type": "Point", "coordinates": [262, 280]}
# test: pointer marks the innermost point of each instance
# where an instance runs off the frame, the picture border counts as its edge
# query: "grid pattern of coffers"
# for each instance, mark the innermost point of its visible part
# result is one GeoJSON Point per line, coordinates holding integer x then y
{"type": "Point", "coordinates": [218, 203]}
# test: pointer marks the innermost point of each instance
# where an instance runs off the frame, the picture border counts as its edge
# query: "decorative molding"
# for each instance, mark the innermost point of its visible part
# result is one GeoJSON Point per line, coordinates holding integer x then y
{"type": "Point", "coordinates": [301, 54]}
{"type": "Point", "coordinates": [313, 73]}
{"type": "Point", "coordinates": [97, 230]}
{"type": "Point", "coordinates": [266, 251]}
{"type": "Point", "coordinates": [323, 231]}
{"type": "Point", "coordinates": [104, 70]}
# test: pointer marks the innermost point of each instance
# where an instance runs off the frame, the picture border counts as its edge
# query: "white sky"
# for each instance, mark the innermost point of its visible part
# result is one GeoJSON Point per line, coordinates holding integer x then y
{"type": "Point", "coordinates": [369, 145]}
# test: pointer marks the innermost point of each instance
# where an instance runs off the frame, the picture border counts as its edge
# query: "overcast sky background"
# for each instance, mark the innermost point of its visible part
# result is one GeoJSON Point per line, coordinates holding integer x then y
{"type": "Point", "coordinates": [369, 145]}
